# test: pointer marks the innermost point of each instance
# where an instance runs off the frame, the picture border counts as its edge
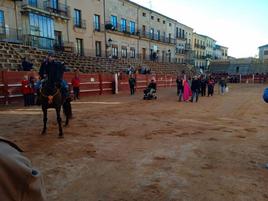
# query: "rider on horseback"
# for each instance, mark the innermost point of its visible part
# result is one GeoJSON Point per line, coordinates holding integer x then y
{"type": "Point", "coordinates": [52, 72]}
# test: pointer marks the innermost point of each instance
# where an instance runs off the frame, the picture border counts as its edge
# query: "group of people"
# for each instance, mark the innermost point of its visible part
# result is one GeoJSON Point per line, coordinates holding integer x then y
{"type": "Point", "coordinates": [141, 70]}
{"type": "Point", "coordinates": [190, 89]}
{"type": "Point", "coordinates": [51, 72]}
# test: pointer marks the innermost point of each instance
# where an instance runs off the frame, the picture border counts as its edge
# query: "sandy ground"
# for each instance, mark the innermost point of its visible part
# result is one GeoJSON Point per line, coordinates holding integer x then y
{"type": "Point", "coordinates": [121, 148]}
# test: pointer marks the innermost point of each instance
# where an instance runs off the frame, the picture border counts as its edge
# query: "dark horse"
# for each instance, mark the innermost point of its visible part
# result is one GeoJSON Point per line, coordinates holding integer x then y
{"type": "Point", "coordinates": [51, 97]}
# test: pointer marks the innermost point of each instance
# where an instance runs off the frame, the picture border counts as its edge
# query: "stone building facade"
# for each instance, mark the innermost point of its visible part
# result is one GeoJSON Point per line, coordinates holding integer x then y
{"type": "Point", "coordinates": [102, 28]}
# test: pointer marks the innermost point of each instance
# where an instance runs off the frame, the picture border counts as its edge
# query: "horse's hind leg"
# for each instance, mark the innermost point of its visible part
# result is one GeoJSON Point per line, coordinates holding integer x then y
{"type": "Point", "coordinates": [59, 122]}
{"type": "Point", "coordinates": [44, 120]}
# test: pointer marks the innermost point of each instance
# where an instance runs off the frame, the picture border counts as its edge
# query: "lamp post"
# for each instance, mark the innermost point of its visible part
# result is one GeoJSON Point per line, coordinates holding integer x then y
{"type": "Point", "coordinates": [109, 44]}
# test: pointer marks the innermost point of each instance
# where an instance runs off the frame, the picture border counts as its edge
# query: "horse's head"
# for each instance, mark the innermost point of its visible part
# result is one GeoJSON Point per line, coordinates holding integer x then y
{"type": "Point", "coordinates": [49, 91]}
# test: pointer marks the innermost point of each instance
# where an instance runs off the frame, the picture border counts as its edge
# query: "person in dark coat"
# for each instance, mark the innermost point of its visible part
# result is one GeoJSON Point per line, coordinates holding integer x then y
{"type": "Point", "coordinates": [179, 82]}
{"type": "Point", "coordinates": [26, 65]}
{"type": "Point", "coordinates": [210, 87]}
{"type": "Point", "coordinates": [203, 86]}
{"type": "Point", "coordinates": [52, 70]}
{"type": "Point", "coordinates": [132, 83]}
{"type": "Point", "coordinates": [195, 87]}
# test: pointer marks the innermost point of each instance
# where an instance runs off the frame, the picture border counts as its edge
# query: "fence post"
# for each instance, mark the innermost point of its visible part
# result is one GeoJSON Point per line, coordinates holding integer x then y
{"type": "Point", "coordinates": [253, 78]}
{"type": "Point", "coordinates": [116, 83]}
{"type": "Point", "coordinates": [100, 80]}
{"type": "Point", "coordinates": [4, 76]}
{"type": "Point", "coordinates": [240, 78]}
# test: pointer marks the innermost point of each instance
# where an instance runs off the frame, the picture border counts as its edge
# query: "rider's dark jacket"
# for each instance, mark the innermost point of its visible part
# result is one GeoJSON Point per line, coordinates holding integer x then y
{"type": "Point", "coordinates": [53, 70]}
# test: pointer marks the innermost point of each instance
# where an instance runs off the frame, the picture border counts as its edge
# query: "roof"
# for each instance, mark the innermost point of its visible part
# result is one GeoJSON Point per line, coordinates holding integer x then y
{"type": "Point", "coordinates": [264, 46]}
{"type": "Point", "coordinates": [136, 4]}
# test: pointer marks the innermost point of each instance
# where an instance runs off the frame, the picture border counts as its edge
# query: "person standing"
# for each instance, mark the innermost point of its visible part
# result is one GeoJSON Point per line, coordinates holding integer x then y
{"type": "Point", "coordinates": [32, 91]}
{"type": "Point", "coordinates": [210, 87]}
{"type": "Point", "coordinates": [186, 90]}
{"type": "Point", "coordinates": [132, 83]}
{"type": "Point", "coordinates": [195, 89]}
{"type": "Point", "coordinates": [179, 82]}
{"type": "Point", "coordinates": [203, 86]}
{"type": "Point", "coordinates": [76, 85]}
{"type": "Point", "coordinates": [26, 65]}
{"type": "Point", "coordinates": [25, 89]}
{"type": "Point", "coordinates": [222, 84]}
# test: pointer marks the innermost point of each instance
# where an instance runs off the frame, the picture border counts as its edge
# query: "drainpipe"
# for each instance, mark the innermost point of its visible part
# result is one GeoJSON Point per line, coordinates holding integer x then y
{"type": "Point", "coordinates": [138, 25]}
{"type": "Point", "coordinates": [68, 37]}
{"type": "Point", "coordinates": [105, 33]}
{"type": "Point", "coordinates": [16, 19]}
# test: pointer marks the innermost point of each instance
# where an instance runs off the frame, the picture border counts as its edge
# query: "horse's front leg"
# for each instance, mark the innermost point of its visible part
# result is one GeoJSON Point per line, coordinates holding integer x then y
{"type": "Point", "coordinates": [59, 122]}
{"type": "Point", "coordinates": [44, 120]}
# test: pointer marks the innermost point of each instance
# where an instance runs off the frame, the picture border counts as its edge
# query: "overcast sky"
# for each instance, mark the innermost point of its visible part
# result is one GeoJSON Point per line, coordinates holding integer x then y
{"type": "Point", "coordinates": [240, 25]}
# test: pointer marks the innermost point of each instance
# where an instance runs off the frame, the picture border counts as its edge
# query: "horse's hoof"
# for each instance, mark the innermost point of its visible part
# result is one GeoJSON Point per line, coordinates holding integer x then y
{"type": "Point", "coordinates": [60, 136]}
{"type": "Point", "coordinates": [43, 133]}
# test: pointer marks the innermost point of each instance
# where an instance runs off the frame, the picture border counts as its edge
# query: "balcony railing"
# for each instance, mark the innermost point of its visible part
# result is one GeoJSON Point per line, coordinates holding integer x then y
{"type": "Point", "coordinates": [156, 37]}
{"type": "Point", "coordinates": [188, 46]}
{"type": "Point", "coordinates": [80, 24]}
{"type": "Point", "coordinates": [39, 41]}
{"type": "Point", "coordinates": [181, 37]}
{"type": "Point", "coordinates": [10, 35]}
{"type": "Point", "coordinates": [120, 28]}
{"type": "Point", "coordinates": [60, 8]}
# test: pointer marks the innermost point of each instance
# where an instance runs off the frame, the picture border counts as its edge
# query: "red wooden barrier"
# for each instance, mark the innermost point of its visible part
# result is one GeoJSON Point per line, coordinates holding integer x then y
{"type": "Point", "coordinates": [91, 84]}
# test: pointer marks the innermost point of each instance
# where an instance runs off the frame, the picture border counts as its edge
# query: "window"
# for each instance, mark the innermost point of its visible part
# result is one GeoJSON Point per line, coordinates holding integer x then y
{"type": "Point", "coordinates": [132, 52]}
{"type": "Point", "coordinates": [43, 28]}
{"type": "Point", "coordinates": [114, 21]}
{"type": "Point", "coordinates": [164, 36]}
{"type": "Point", "coordinates": [265, 52]}
{"type": "Point", "coordinates": [2, 22]}
{"type": "Point", "coordinates": [158, 19]}
{"type": "Point", "coordinates": [169, 38]}
{"type": "Point", "coordinates": [144, 14]}
{"type": "Point", "coordinates": [77, 18]}
{"type": "Point", "coordinates": [164, 22]}
{"type": "Point", "coordinates": [158, 35]}
{"type": "Point", "coordinates": [152, 17]}
{"type": "Point", "coordinates": [132, 27]}
{"type": "Point", "coordinates": [124, 52]}
{"type": "Point", "coordinates": [97, 22]}
{"type": "Point", "coordinates": [58, 39]}
{"type": "Point", "coordinates": [177, 32]}
{"type": "Point", "coordinates": [143, 30]}
{"type": "Point", "coordinates": [114, 52]}
{"type": "Point", "coordinates": [123, 25]}
{"type": "Point", "coordinates": [98, 48]}
{"type": "Point", "coordinates": [54, 4]}
{"type": "Point", "coordinates": [79, 46]}
{"type": "Point", "coordinates": [170, 24]}
{"type": "Point", "coordinates": [152, 33]}
{"type": "Point", "coordinates": [33, 3]}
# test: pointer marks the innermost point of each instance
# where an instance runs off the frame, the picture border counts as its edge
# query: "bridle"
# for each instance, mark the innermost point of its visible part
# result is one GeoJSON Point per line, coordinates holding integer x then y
{"type": "Point", "coordinates": [50, 97]}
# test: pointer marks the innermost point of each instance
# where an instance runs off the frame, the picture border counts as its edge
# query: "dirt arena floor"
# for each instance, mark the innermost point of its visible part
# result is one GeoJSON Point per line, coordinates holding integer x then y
{"type": "Point", "coordinates": [121, 148]}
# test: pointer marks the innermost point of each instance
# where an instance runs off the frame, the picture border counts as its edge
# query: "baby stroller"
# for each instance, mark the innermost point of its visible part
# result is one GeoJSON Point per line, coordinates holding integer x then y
{"type": "Point", "coordinates": [149, 94]}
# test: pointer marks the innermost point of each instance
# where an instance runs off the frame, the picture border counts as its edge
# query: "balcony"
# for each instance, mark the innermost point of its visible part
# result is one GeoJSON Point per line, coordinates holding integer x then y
{"type": "Point", "coordinates": [180, 51]}
{"type": "Point", "coordinates": [181, 37]}
{"type": "Point", "coordinates": [38, 41]}
{"type": "Point", "coordinates": [122, 29]}
{"type": "Point", "coordinates": [58, 10]}
{"type": "Point", "coordinates": [10, 35]}
{"type": "Point", "coordinates": [80, 24]}
{"type": "Point", "coordinates": [188, 46]}
{"type": "Point", "coordinates": [156, 37]}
